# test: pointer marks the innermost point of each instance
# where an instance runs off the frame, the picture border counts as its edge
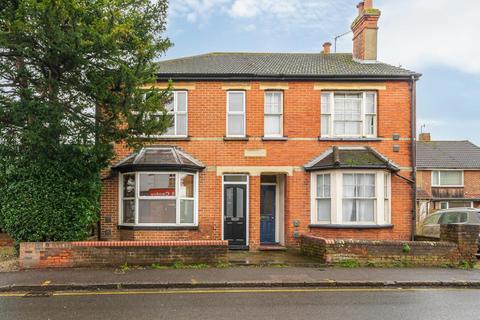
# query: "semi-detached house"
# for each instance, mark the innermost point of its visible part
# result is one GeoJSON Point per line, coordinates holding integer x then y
{"type": "Point", "coordinates": [448, 175]}
{"type": "Point", "coordinates": [266, 147]}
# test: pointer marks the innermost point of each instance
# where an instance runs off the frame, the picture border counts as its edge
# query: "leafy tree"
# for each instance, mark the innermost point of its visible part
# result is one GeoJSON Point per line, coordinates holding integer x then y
{"type": "Point", "coordinates": [74, 78]}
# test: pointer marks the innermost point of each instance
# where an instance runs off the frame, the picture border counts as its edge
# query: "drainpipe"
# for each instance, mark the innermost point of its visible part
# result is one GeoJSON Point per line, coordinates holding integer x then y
{"type": "Point", "coordinates": [413, 135]}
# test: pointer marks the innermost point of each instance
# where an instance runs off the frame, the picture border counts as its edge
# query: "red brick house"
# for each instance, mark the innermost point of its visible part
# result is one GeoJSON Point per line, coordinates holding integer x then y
{"type": "Point", "coordinates": [448, 175]}
{"type": "Point", "coordinates": [268, 146]}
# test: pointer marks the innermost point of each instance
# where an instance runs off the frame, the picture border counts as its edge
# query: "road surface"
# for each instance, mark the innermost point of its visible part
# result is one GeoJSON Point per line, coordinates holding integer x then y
{"type": "Point", "coordinates": [279, 304]}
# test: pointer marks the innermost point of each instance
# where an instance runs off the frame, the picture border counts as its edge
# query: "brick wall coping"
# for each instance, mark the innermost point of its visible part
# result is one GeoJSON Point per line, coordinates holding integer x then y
{"type": "Point", "coordinates": [382, 242]}
{"type": "Point", "coordinates": [194, 243]}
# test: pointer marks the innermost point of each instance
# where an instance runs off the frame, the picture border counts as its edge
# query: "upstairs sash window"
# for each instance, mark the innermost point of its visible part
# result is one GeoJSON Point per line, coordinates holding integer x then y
{"type": "Point", "coordinates": [349, 114]}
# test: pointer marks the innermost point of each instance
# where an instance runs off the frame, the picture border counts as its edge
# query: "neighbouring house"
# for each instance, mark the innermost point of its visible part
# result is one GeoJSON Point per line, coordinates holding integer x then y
{"type": "Point", "coordinates": [448, 175]}
{"type": "Point", "coordinates": [266, 147]}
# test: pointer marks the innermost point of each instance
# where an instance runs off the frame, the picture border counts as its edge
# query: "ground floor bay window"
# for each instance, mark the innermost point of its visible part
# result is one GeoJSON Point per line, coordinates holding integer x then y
{"type": "Point", "coordinates": [158, 199]}
{"type": "Point", "coordinates": [343, 197]}
{"type": "Point", "coordinates": [158, 187]}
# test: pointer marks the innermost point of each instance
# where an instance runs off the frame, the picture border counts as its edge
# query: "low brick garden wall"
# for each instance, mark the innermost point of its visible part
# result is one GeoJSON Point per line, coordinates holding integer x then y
{"type": "Point", "coordinates": [381, 253]}
{"type": "Point", "coordinates": [116, 253]}
{"type": "Point", "coordinates": [5, 240]}
{"type": "Point", "coordinates": [458, 245]}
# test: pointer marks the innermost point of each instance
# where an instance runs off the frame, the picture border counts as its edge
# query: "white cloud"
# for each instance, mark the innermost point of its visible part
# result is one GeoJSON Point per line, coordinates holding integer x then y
{"type": "Point", "coordinates": [422, 33]}
{"type": "Point", "coordinates": [278, 14]}
{"type": "Point", "coordinates": [319, 14]}
{"type": "Point", "coordinates": [193, 10]}
{"type": "Point", "coordinates": [252, 8]}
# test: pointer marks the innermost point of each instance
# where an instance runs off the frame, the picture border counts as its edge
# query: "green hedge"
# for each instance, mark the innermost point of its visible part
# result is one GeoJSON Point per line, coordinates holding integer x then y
{"type": "Point", "coordinates": [49, 198]}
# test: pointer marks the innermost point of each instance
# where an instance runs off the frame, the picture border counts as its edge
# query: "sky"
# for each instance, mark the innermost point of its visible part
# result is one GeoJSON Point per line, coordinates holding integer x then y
{"type": "Point", "coordinates": [438, 38]}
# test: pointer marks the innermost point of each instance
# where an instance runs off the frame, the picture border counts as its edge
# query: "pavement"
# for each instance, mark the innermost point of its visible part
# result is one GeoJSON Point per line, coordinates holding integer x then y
{"type": "Point", "coordinates": [245, 304]}
{"type": "Point", "coordinates": [235, 277]}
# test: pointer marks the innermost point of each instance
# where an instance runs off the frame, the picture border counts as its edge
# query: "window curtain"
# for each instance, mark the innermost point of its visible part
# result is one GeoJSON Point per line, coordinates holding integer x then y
{"type": "Point", "coordinates": [358, 194]}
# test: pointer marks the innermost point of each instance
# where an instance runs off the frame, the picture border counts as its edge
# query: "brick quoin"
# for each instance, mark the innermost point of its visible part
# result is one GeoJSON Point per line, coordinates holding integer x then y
{"type": "Point", "coordinates": [206, 129]}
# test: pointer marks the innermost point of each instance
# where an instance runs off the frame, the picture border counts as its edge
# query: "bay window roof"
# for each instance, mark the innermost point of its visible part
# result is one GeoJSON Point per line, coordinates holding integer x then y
{"type": "Point", "coordinates": [351, 158]}
{"type": "Point", "coordinates": [159, 158]}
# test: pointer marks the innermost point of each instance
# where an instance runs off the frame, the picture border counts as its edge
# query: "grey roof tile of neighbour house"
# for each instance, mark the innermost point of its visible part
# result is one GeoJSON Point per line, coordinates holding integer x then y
{"type": "Point", "coordinates": [277, 65]}
{"type": "Point", "coordinates": [351, 158]}
{"type": "Point", "coordinates": [158, 159]}
{"type": "Point", "coordinates": [447, 155]}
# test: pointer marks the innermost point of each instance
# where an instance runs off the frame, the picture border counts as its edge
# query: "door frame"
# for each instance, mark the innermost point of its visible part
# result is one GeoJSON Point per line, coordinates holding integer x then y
{"type": "Point", "coordinates": [277, 206]}
{"type": "Point", "coordinates": [247, 195]}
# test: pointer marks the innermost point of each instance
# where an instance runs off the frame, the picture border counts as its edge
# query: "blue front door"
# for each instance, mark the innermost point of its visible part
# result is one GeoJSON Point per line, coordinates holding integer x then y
{"type": "Point", "coordinates": [267, 214]}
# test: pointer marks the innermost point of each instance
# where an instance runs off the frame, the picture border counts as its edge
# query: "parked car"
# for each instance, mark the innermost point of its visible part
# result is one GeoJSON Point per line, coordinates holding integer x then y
{"type": "Point", "coordinates": [430, 227]}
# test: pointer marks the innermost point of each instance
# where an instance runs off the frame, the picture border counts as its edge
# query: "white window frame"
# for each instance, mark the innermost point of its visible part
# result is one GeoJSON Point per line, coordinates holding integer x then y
{"type": "Point", "coordinates": [387, 197]}
{"type": "Point", "coordinates": [177, 198]}
{"type": "Point", "coordinates": [317, 197]}
{"type": "Point", "coordinates": [243, 113]}
{"type": "Point", "coordinates": [445, 185]}
{"type": "Point", "coordinates": [175, 112]}
{"type": "Point", "coordinates": [331, 133]}
{"type": "Point", "coordinates": [381, 217]}
{"type": "Point", "coordinates": [447, 206]}
{"type": "Point", "coordinates": [375, 198]}
{"type": "Point", "coordinates": [265, 114]}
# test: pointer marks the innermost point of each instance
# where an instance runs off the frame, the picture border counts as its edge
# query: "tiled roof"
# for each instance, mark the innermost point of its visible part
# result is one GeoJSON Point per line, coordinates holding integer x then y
{"type": "Point", "coordinates": [447, 155]}
{"type": "Point", "coordinates": [351, 158]}
{"type": "Point", "coordinates": [277, 65]}
{"type": "Point", "coordinates": [159, 158]}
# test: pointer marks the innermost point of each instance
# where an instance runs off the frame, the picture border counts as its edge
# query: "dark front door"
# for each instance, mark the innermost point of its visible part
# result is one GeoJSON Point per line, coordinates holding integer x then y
{"type": "Point", "coordinates": [267, 214]}
{"type": "Point", "coordinates": [234, 215]}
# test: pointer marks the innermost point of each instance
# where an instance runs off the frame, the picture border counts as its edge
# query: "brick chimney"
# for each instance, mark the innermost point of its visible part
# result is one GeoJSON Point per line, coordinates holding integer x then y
{"type": "Point", "coordinates": [365, 30]}
{"type": "Point", "coordinates": [424, 136]}
{"type": "Point", "coordinates": [326, 47]}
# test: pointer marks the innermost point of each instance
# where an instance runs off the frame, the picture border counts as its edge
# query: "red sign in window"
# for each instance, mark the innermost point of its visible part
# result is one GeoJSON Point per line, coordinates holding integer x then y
{"type": "Point", "coordinates": [162, 192]}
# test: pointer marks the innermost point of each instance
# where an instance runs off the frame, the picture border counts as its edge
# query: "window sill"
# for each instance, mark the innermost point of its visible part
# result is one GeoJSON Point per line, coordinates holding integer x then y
{"type": "Point", "coordinates": [274, 138]}
{"type": "Point", "coordinates": [157, 228]}
{"type": "Point", "coordinates": [236, 138]}
{"type": "Point", "coordinates": [347, 226]}
{"type": "Point", "coordinates": [172, 138]}
{"type": "Point", "coordinates": [348, 139]}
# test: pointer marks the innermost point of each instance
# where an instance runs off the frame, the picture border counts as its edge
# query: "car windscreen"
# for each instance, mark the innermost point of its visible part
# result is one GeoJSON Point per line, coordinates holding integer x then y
{"type": "Point", "coordinates": [454, 217]}
{"type": "Point", "coordinates": [433, 219]}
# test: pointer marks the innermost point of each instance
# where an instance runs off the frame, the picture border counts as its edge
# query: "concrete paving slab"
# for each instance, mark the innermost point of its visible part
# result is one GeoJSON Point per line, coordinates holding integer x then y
{"type": "Point", "coordinates": [235, 276]}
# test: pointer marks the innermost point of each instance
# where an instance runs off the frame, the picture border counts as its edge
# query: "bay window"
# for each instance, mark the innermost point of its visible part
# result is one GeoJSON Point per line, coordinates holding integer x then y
{"type": "Point", "coordinates": [447, 178]}
{"type": "Point", "coordinates": [344, 197]}
{"type": "Point", "coordinates": [273, 114]}
{"type": "Point", "coordinates": [349, 114]}
{"type": "Point", "coordinates": [158, 199]}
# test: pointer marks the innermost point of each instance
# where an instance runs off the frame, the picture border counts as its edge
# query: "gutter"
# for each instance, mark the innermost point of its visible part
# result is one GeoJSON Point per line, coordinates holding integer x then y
{"type": "Point", "coordinates": [279, 77]}
{"type": "Point", "coordinates": [413, 135]}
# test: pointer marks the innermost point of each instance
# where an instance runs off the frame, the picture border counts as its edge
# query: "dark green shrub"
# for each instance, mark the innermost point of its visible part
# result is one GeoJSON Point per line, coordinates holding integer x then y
{"type": "Point", "coordinates": [49, 197]}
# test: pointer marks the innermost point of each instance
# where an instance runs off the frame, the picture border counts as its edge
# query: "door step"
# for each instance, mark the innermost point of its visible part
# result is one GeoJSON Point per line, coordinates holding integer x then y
{"type": "Point", "coordinates": [272, 247]}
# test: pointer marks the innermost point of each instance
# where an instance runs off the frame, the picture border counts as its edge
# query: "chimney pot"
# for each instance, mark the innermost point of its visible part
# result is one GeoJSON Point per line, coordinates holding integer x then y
{"type": "Point", "coordinates": [326, 47]}
{"type": "Point", "coordinates": [368, 4]}
{"type": "Point", "coordinates": [360, 7]}
{"type": "Point", "coordinates": [424, 136]}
